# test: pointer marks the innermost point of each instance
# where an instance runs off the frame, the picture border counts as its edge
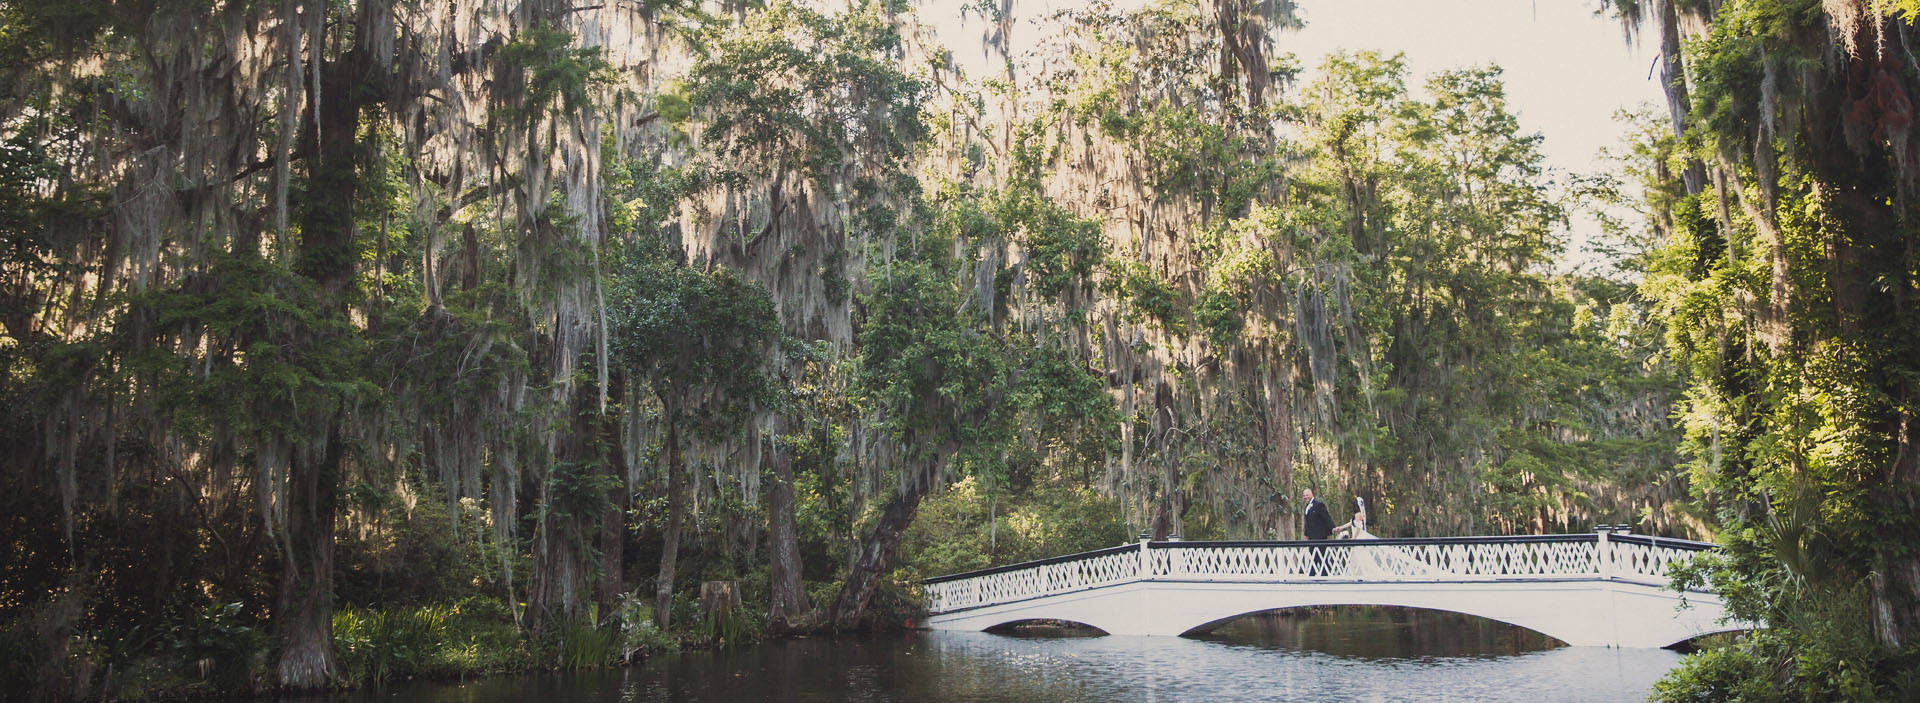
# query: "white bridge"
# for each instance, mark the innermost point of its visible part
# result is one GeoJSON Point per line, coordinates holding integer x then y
{"type": "Point", "coordinates": [1596, 589]}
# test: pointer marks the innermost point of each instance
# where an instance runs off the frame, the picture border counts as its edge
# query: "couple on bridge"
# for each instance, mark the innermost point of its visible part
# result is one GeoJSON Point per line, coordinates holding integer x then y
{"type": "Point", "coordinates": [1320, 524]}
{"type": "Point", "coordinates": [1324, 561]}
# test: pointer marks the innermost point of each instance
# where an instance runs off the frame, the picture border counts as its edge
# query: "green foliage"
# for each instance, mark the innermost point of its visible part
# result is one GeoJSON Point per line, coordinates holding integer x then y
{"type": "Point", "coordinates": [472, 636]}
{"type": "Point", "coordinates": [941, 381]}
{"type": "Point", "coordinates": [1784, 305]}
{"type": "Point", "coordinates": [38, 234]}
{"type": "Point", "coordinates": [704, 337]}
{"type": "Point", "coordinates": [382, 644]}
{"type": "Point", "coordinates": [584, 644]}
{"type": "Point", "coordinates": [792, 88]}
{"type": "Point", "coordinates": [736, 627]}
{"type": "Point", "coordinates": [398, 556]}
{"type": "Point", "coordinates": [1150, 296]}
{"type": "Point", "coordinates": [1062, 249]}
{"type": "Point", "coordinates": [554, 69]}
{"type": "Point", "coordinates": [1423, 230]}
{"type": "Point", "coordinates": [972, 527]}
{"type": "Point", "coordinates": [637, 634]}
{"type": "Point", "coordinates": [645, 193]}
{"type": "Point", "coordinates": [1731, 674]}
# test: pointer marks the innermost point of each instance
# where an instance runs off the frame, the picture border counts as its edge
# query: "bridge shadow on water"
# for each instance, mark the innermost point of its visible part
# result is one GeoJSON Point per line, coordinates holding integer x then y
{"type": "Point", "coordinates": [1376, 632]}
{"type": "Point", "coordinates": [1354, 631]}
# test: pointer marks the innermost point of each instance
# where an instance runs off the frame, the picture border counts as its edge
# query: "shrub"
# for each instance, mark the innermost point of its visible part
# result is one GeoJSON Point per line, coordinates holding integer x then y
{"type": "Point", "coordinates": [476, 635]}
{"type": "Point", "coordinates": [638, 635]}
{"type": "Point", "coordinates": [1731, 674]}
{"type": "Point", "coordinates": [585, 645]}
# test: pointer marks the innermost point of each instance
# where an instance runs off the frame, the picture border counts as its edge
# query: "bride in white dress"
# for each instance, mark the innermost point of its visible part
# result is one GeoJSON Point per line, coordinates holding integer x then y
{"type": "Point", "coordinates": [1375, 561]}
{"type": "Point", "coordinates": [1357, 527]}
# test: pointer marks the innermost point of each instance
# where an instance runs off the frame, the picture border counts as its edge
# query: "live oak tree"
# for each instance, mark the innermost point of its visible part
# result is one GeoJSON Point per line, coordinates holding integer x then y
{"type": "Point", "coordinates": [807, 125]}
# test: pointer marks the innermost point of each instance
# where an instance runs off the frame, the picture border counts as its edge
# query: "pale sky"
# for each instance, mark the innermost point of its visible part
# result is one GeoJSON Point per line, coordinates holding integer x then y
{"type": "Point", "coordinates": [1567, 70]}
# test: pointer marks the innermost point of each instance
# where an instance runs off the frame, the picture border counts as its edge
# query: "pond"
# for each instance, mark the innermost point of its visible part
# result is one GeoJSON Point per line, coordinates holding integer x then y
{"type": "Point", "coordinates": [1344, 654]}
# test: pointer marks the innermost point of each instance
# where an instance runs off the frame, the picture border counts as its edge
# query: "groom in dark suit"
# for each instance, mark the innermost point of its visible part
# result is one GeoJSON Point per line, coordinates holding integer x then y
{"type": "Point", "coordinates": [1319, 522]}
{"type": "Point", "coordinates": [1319, 526]}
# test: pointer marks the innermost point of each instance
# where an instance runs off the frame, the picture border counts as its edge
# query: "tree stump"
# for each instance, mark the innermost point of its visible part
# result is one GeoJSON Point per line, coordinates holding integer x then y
{"type": "Point", "coordinates": [718, 599]}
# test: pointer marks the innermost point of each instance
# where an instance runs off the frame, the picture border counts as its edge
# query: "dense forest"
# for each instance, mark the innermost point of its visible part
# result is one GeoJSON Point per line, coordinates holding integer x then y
{"type": "Point", "coordinates": [352, 339]}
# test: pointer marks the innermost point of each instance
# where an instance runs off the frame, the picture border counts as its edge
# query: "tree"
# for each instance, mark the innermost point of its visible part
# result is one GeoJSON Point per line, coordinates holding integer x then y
{"type": "Point", "coordinates": [248, 156]}
{"type": "Point", "coordinates": [702, 340]}
{"type": "Point", "coordinates": [807, 125]}
{"type": "Point", "coordinates": [1785, 292]}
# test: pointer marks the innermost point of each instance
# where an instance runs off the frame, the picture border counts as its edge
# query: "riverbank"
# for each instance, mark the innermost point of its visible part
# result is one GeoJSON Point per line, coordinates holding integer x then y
{"type": "Point", "coordinates": [220, 653]}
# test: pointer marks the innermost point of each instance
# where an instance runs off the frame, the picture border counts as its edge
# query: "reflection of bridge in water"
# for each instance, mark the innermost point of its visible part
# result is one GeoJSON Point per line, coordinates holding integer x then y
{"type": "Point", "coordinates": [1595, 589]}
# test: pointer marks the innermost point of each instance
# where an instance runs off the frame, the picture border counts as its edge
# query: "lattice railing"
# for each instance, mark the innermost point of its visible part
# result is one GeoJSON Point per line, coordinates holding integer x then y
{"type": "Point", "coordinates": [1376, 559]}
{"type": "Point", "coordinates": [1546, 557]}
{"type": "Point", "coordinates": [1022, 581]}
{"type": "Point", "coordinates": [1645, 559]}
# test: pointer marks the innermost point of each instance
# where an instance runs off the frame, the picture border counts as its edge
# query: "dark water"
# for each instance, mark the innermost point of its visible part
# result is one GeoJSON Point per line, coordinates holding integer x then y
{"type": "Point", "coordinates": [1349, 654]}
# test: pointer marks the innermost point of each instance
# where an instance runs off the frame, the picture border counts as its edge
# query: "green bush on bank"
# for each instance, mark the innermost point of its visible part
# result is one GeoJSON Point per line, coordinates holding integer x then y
{"type": "Point", "coordinates": [474, 636]}
{"type": "Point", "coordinates": [624, 635]}
{"type": "Point", "coordinates": [215, 649]}
{"type": "Point", "coordinates": [1730, 673]}
{"type": "Point", "coordinates": [973, 527]}
{"type": "Point", "coordinates": [478, 636]}
{"type": "Point", "coordinates": [1819, 643]}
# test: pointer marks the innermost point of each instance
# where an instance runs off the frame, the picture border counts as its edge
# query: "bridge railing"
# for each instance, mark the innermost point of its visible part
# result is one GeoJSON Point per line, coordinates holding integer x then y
{"type": "Point", "coordinates": [1644, 558]}
{"type": "Point", "coordinates": [1379, 559]}
{"type": "Point", "coordinates": [1577, 556]}
{"type": "Point", "coordinates": [1013, 582]}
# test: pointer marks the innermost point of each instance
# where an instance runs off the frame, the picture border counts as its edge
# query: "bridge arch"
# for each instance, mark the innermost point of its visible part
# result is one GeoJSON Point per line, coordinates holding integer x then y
{"type": "Point", "coordinates": [1572, 615]}
{"type": "Point", "coordinates": [1211, 626]}
{"type": "Point", "coordinates": [1025, 624]}
{"type": "Point", "coordinates": [1688, 644]}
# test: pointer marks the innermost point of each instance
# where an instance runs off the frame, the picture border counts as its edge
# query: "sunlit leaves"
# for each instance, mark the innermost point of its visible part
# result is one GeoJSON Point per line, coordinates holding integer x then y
{"type": "Point", "coordinates": [554, 69]}
{"type": "Point", "coordinates": [704, 337]}
{"type": "Point", "coordinates": [790, 87]}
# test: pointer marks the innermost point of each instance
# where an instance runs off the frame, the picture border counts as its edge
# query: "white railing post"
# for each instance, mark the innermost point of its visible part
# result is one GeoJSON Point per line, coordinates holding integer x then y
{"type": "Point", "coordinates": [1146, 564]}
{"type": "Point", "coordinates": [1603, 555]}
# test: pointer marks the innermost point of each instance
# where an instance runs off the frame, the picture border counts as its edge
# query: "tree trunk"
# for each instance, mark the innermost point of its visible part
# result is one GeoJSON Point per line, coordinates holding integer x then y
{"type": "Point", "coordinates": [1673, 81]}
{"type": "Point", "coordinates": [1896, 575]}
{"type": "Point", "coordinates": [304, 615]}
{"type": "Point", "coordinates": [1162, 524]}
{"type": "Point", "coordinates": [560, 561]}
{"type": "Point", "coordinates": [789, 597]}
{"type": "Point", "coordinates": [613, 524]}
{"type": "Point", "coordinates": [670, 542]}
{"type": "Point", "coordinates": [613, 553]}
{"type": "Point", "coordinates": [559, 572]}
{"type": "Point", "coordinates": [851, 606]}
{"type": "Point", "coordinates": [304, 618]}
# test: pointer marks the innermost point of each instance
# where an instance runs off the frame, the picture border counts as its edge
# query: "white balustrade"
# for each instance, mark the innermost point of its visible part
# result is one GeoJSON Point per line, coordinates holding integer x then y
{"type": "Point", "coordinates": [1003, 586]}
{"type": "Point", "coordinates": [1647, 563]}
{"type": "Point", "coordinates": [1438, 560]}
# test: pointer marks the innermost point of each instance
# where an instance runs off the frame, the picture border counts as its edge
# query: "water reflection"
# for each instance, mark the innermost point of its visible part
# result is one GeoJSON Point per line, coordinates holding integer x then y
{"type": "Point", "coordinates": [1330, 654]}
{"type": "Point", "coordinates": [1378, 632]}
